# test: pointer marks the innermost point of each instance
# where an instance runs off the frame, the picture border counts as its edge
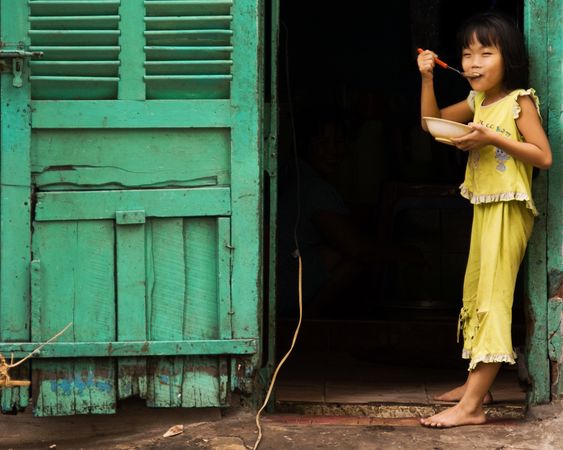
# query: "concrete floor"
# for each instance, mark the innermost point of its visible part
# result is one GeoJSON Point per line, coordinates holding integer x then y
{"type": "Point", "coordinates": [385, 400]}
{"type": "Point", "coordinates": [137, 427]}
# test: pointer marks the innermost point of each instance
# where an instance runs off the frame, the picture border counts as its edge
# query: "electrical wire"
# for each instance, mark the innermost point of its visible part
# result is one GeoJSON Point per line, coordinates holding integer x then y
{"type": "Point", "coordinates": [294, 340]}
{"type": "Point", "coordinates": [297, 252]}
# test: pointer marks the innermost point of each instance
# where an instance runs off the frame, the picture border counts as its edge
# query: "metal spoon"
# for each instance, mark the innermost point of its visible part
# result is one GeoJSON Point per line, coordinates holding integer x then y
{"type": "Point", "coordinates": [446, 66]}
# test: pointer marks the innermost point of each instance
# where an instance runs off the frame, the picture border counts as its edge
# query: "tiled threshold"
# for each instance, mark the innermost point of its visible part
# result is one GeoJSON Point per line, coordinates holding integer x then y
{"type": "Point", "coordinates": [328, 380]}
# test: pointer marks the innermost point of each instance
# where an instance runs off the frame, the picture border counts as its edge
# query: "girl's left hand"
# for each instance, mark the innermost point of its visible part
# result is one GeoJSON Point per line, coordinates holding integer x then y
{"type": "Point", "coordinates": [479, 137]}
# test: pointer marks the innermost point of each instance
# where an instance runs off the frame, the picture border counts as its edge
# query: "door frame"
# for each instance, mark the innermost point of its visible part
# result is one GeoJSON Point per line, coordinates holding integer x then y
{"type": "Point", "coordinates": [544, 268]}
{"type": "Point", "coordinates": [544, 260]}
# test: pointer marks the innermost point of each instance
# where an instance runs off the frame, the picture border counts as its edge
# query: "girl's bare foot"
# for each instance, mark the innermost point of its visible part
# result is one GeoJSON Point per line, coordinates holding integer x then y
{"type": "Point", "coordinates": [454, 417]}
{"type": "Point", "coordinates": [451, 396]}
{"type": "Point", "coordinates": [455, 395]}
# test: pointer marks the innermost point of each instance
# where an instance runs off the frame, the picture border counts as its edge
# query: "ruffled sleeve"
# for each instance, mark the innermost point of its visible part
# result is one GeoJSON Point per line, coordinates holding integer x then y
{"type": "Point", "coordinates": [516, 110]}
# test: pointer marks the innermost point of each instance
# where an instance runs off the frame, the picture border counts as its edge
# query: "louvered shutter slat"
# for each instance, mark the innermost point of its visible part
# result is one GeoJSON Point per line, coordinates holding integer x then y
{"type": "Point", "coordinates": [188, 49]}
{"type": "Point", "coordinates": [80, 41]}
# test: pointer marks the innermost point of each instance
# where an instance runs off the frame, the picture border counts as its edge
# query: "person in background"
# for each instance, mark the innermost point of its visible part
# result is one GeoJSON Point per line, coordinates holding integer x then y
{"type": "Point", "coordinates": [335, 250]}
{"type": "Point", "coordinates": [507, 141]}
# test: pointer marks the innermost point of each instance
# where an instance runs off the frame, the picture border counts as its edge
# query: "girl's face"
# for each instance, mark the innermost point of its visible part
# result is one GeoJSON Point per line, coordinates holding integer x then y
{"type": "Point", "coordinates": [488, 63]}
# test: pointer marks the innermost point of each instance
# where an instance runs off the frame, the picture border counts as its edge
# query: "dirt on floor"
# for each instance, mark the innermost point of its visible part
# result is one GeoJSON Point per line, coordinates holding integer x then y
{"type": "Point", "coordinates": [138, 427]}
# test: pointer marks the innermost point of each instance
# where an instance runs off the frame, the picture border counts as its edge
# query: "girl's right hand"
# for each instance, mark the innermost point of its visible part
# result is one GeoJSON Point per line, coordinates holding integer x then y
{"type": "Point", "coordinates": [426, 62]}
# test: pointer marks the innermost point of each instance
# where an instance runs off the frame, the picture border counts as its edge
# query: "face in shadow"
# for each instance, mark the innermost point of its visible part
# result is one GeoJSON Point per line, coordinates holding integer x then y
{"type": "Point", "coordinates": [328, 149]}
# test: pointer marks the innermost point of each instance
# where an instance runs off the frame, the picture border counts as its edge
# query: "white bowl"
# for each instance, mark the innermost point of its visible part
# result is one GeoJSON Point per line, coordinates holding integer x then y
{"type": "Point", "coordinates": [443, 130]}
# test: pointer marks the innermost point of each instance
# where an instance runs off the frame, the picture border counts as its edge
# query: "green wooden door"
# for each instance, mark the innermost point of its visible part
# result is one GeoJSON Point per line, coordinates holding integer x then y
{"type": "Point", "coordinates": [131, 200]}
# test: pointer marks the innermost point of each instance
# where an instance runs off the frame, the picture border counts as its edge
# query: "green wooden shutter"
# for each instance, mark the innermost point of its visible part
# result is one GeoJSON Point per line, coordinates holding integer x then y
{"type": "Point", "coordinates": [189, 50]}
{"type": "Point", "coordinates": [144, 162]}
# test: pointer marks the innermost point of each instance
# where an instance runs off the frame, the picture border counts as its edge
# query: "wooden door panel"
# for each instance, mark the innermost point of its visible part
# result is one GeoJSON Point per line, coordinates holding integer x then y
{"type": "Point", "coordinates": [132, 169]}
{"type": "Point", "coordinates": [172, 283]}
{"type": "Point", "coordinates": [117, 159]}
{"type": "Point", "coordinates": [75, 283]}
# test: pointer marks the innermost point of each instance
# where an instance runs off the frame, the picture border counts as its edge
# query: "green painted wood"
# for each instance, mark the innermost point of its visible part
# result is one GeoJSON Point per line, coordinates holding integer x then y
{"type": "Point", "coordinates": [132, 114]}
{"type": "Point", "coordinates": [79, 386]}
{"type": "Point", "coordinates": [184, 305]}
{"type": "Point", "coordinates": [131, 302]}
{"type": "Point", "coordinates": [192, 32]}
{"type": "Point", "coordinates": [271, 166]}
{"type": "Point", "coordinates": [133, 348]}
{"type": "Point", "coordinates": [69, 37]}
{"type": "Point", "coordinates": [90, 258]}
{"type": "Point", "coordinates": [36, 287]}
{"type": "Point", "coordinates": [72, 7]}
{"type": "Point", "coordinates": [224, 270]}
{"type": "Point", "coordinates": [201, 319]}
{"type": "Point", "coordinates": [14, 197]}
{"type": "Point", "coordinates": [132, 377]}
{"type": "Point", "coordinates": [131, 283]}
{"type": "Point", "coordinates": [15, 194]}
{"type": "Point", "coordinates": [156, 203]}
{"type": "Point", "coordinates": [555, 186]}
{"type": "Point", "coordinates": [16, 399]}
{"type": "Point", "coordinates": [73, 68]}
{"type": "Point", "coordinates": [246, 173]}
{"type": "Point", "coordinates": [64, 160]}
{"type": "Point", "coordinates": [91, 34]}
{"type": "Point", "coordinates": [535, 19]}
{"type": "Point", "coordinates": [91, 22]}
{"type": "Point", "coordinates": [554, 314]}
{"type": "Point", "coordinates": [168, 295]}
{"type": "Point", "coordinates": [204, 382]}
{"type": "Point", "coordinates": [131, 71]}
{"type": "Point", "coordinates": [78, 288]}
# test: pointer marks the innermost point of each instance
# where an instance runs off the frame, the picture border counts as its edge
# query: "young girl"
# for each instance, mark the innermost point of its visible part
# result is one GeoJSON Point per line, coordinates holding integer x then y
{"type": "Point", "coordinates": [506, 142]}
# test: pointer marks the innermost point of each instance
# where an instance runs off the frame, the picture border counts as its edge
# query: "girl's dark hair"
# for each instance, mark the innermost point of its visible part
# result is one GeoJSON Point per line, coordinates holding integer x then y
{"type": "Point", "coordinates": [498, 30]}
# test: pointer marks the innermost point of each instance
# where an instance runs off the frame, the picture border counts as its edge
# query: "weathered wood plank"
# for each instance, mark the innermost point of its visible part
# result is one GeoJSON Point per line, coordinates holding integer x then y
{"type": "Point", "coordinates": [15, 180]}
{"type": "Point", "coordinates": [555, 186]}
{"type": "Point", "coordinates": [536, 17]}
{"type": "Point", "coordinates": [133, 348]}
{"type": "Point", "coordinates": [51, 380]}
{"type": "Point", "coordinates": [94, 379]}
{"type": "Point", "coordinates": [78, 288]}
{"type": "Point", "coordinates": [168, 303]}
{"type": "Point", "coordinates": [131, 283]}
{"type": "Point", "coordinates": [155, 202]}
{"type": "Point", "coordinates": [203, 382]}
{"type": "Point", "coordinates": [246, 170]}
{"type": "Point", "coordinates": [131, 55]}
{"type": "Point", "coordinates": [63, 159]}
{"type": "Point", "coordinates": [201, 309]}
{"type": "Point", "coordinates": [224, 269]}
{"type": "Point", "coordinates": [15, 198]}
{"type": "Point", "coordinates": [271, 166]}
{"type": "Point", "coordinates": [131, 306]}
{"type": "Point", "coordinates": [132, 114]}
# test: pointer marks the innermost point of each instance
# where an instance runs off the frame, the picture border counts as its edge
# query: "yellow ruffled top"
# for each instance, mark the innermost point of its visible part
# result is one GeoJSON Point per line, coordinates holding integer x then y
{"type": "Point", "coordinates": [491, 174]}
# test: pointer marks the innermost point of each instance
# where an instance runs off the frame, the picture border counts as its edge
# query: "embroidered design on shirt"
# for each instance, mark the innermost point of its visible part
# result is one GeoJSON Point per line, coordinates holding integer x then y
{"type": "Point", "coordinates": [501, 158]}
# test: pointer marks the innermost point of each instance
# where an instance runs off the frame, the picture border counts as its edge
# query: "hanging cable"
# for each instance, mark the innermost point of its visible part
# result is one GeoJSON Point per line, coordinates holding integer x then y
{"type": "Point", "coordinates": [296, 252]}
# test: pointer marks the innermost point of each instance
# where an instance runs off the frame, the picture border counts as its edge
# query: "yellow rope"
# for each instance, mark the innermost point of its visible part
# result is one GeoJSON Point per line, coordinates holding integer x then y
{"type": "Point", "coordinates": [5, 380]}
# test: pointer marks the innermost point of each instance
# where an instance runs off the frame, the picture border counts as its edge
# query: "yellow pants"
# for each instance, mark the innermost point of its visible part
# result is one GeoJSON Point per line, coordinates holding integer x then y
{"type": "Point", "coordinates": [499, 236]}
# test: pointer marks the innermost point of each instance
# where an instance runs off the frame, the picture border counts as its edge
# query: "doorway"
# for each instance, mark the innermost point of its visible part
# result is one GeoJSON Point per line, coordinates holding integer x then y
{"type": "Point", "coordinates": [381, 305]}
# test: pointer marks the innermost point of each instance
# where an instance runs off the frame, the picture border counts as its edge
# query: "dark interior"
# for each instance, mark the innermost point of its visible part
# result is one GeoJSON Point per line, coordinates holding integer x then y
{"type": "Point", "coordinates": [348, 81]}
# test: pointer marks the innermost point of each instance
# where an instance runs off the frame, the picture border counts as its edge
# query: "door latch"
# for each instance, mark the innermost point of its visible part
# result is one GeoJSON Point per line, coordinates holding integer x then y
{"type": "Point", "coordinates": [17, 57]}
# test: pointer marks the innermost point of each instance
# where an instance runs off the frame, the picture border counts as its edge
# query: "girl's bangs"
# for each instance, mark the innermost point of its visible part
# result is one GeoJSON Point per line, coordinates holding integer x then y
{"type": "Point", "coordinates": [484, 34]}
